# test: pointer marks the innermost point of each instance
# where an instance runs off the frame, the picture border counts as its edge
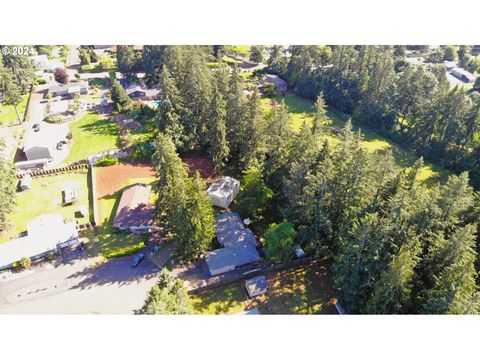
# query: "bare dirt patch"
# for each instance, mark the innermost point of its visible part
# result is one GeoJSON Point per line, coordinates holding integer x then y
{"type": "Point", "coordinates": [198, 162]}
{"type": "Point", "coordinates": [112, 178]}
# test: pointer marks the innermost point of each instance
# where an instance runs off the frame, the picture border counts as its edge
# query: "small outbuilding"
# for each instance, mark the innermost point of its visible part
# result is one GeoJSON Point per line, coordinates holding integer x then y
{"type": "Point", "coordinates": [256, 286]}
{"type": "Point", "coordinates": [223, 191]}
{"type": "Point", "coordinates": [69, 195]}
{"type": "Point", "coordinates": [26, 182]}
{"type": "Point", "coordinates": [280, 84]}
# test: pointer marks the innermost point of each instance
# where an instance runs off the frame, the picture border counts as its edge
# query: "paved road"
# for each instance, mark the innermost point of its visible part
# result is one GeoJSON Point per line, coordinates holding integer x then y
{"type": "Point", "coordinates": [78, 287]}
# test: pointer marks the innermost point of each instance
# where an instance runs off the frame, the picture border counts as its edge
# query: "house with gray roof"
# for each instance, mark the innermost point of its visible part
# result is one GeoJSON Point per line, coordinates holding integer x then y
{"type": "Point", "coordinates": [238, 245]}
{"type": "Point", "coordinates": [280, 84]}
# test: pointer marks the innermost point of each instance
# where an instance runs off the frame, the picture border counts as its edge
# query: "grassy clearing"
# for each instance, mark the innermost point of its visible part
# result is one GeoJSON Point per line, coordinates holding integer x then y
{"type": "Point", "coordinates": [112, 244]}
{"type": "Point", "coordinates": [227, 299]}
{"type": "Point", "coordinates": [242, 50]}
{"type": "Point", "coordinates": [8, 115]}
{"type": "Point", "coordinates": [230, 61]}
{"type": "Point", "coordinates": [91, 135]}
{"type": "Point", "coordinates": [45, 197]}
{"type": "Point", "coordinates": [302, 111]}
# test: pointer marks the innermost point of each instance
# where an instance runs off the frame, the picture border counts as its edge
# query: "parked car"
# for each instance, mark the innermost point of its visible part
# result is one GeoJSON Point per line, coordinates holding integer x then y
{"type": "Point", "coordinates": [36, 127]}
{"type": "Point", "coordinates": [137, 259]}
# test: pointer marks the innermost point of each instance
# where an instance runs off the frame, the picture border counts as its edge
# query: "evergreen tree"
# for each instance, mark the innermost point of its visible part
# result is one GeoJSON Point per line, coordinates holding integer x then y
{"type": "Point", "coordinates": [7, 189]}
{"type": "Point", "coordinates": [254, 194]}
{"type": "Point", "coordinates": [119, 95]}
{"type": "Point", "coordinates": [320, 115]}
{"type": "Point", "coordinates": [171, 174]}
{"type": "Point", "coordinates": [217, 137]}
{"type": "Point", "coordinates": [455, 290]}
{"type": "Point", "coordinates": [392, 292]}
{"type": "Point", "coordinates": [126, 59]}
{"type": "Point", "coordinates": [192, 219]}
{"type": "Point", "coordinates": [168, 297]}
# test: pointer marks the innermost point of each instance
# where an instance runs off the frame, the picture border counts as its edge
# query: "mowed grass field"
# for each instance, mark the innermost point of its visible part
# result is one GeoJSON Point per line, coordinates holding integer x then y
{"type": "Point", "coordinates": [92, 134]}
{"type": "Point", "coordinates": [8, 115]}
{"type": "Point", "coordinates": [45, 197]}
{"type": "Point", "coordinates": [301, 290]}
{"type": "Point", "coordinates": [302, 111]}
{"type": "Point", "coordinates": [112, 244]}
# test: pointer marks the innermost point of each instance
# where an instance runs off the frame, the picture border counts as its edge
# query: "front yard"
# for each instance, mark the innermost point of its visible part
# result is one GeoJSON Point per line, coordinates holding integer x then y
{"type": "Point", "coordinates": [45, 197]}
{"type": "Point", "coordinates": [301, 290]}
{"type": "Point", "coordinates": [90, 135]}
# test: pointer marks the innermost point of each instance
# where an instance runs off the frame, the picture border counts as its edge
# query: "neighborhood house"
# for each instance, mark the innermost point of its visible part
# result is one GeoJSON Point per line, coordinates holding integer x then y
{"type": "Point", "coordinates": [41, 62]}
{"type": "Point", "coordinates": [70, 89]}
{"type": "Point", "coordinates": [135, 213]}
{"type": "Point", "coordinates": [223, 191]}
{"type": "Point", "coordinates": [463, 75]}
{"type": "Point", "coordinates": [280, 84]}
{"type": "Point", "coordinates": [45, 234]}
{"type": "Point", "coordinates": [238, 245]}
{"type": "Point", "coordinates": [42, 144]}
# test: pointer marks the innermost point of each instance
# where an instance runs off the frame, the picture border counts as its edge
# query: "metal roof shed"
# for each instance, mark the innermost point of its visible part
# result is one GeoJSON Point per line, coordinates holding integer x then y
{"type": "Point", "coordinates": [26, 182]}
{"type": "Point", "coordinates": [256, 286]}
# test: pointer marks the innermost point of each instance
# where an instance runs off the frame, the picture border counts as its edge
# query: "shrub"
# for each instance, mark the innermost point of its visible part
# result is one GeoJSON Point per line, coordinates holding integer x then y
{"type": "Point", "coordinates": [269, 89]}
{"type": "Point", "coordinates": [107, 161]}
{"type": "Point", "coordinates": [77, 75]}
{"type": "Point", "coordinates": [40, 81]}
{"type": "Point", "coordinates": [48, 96]}
{"type": "Point", "coordinates": [280, 241]}
{"type": "Point", "coordinates": [25, 262]}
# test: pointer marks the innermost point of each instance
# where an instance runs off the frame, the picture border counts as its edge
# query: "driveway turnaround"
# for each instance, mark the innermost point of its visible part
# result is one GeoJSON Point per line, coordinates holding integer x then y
{"type": "Point", "coordinates": [79, 287]}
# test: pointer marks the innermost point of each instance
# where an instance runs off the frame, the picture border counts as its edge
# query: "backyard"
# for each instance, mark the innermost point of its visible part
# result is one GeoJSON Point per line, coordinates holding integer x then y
{"type": "Point", "coordinates": [301, 290]}
{"type": "Point", "coordinates": [45, 197]}
{"type": "Point", "coordinates": [302, 110]}
{"type": "Point", "coordinates": [8, 116]}
{"type": "Point", "coordinates": [90, 135]}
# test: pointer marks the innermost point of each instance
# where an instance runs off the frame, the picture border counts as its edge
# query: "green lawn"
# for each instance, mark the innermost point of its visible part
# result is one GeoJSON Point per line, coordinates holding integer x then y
{"type": "Point", "coordinates": [9, 116]}
{"type": "Point", "coordinates": [45, 197]}
{"type": "Point", "coordinates": [227, 299]}
{"type": "Point", "coordinates": [302, 110]}
{"type": "Point", "coordinates": [230, 61]}
{"type": "Point", "coordinates": [112, 244]}
{"type": "Point", "coordinates": [242, 50]}
{"type": "Point", "coordinates": [91, 135]}
{"type": "Point", "coordinates": [302, 290]}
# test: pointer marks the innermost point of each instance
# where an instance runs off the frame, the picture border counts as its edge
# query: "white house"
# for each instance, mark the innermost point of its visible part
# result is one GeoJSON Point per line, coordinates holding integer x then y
{"type": "Point", "coordinates": [42, 144]}
{"type": "Point", "coordinates": [41, 62]}
{"type": "Point", "coordinates": [45, 234]}
{"type": "Point", "coordinates": [72, 88]}
{"type": "Point", "coordinates": [223, 191]}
